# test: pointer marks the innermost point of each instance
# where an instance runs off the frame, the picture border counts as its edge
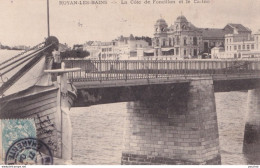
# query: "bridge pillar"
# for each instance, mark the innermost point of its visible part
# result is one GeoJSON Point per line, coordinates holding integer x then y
{"type": "Point", "coordinates": [252, 126]}
{"type": "Point", "coordinates": [184, 132]}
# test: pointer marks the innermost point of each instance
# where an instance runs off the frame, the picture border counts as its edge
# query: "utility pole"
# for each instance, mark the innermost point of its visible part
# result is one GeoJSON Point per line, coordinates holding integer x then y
{"type": "Point", "coordinates": [48, 20]}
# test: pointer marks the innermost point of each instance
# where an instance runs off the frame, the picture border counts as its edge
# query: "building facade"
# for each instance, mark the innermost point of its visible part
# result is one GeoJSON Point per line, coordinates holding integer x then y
{"type": "Point", "coordinates": [180, 40]}
{"type": "Point", "coordinates": [122, 48]}
{"type": "Point", "coordinates": [128, 46]}
{"type": "Point", "coordinates": [184, 40]}
{"type": "Point", "coordinates": [109, 51]}
{"type": "Point", "coordinates": [240, 45]}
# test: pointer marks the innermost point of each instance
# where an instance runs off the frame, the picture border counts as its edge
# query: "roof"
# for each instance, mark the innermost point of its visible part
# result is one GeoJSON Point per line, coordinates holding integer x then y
{"type": "Point", "coordinates": [213, 33]}
{"type": "Point", "coordinates": [190, 26]}
{"type": "Point", "coordinates": [89, 42]}
{"type": "Point", "coordinates": [122, 38]}
{"type": "Point", "coordinates": [238, 27]}
{"type": "Point", "coordinates": [161, 21]}
{"type": "Point", "coordinates": [181, 19]}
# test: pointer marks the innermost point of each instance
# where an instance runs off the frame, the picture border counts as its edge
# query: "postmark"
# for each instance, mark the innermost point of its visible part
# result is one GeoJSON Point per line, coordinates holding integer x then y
{"type": "Point", "coordinates": [29, 151]}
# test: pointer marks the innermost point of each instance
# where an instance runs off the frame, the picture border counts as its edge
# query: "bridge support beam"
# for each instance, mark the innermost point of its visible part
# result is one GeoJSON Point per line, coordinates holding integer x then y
{"type": "Point", "coordinates": [252, 127]}
{"type": "Point", "coordinates": [183, 132]}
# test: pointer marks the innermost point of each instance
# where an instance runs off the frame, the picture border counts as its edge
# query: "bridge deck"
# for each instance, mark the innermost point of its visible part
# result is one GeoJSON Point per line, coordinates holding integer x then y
{"type": "Point", "coordinates": [95, 74]}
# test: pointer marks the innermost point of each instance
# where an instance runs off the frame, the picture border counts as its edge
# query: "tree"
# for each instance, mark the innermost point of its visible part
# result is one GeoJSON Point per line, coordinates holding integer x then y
{"type": "Point", "coordinates": [145, 38]}
{"type": "Point", "coordinates": [74, 54]}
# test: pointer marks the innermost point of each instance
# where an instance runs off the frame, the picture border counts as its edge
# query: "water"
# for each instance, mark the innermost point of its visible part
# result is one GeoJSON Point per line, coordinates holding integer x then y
{"type": "Point", "coordinates": [98, 131]}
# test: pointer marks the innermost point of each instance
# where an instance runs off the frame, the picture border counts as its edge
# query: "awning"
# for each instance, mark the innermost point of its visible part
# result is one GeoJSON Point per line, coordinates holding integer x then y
{"type": "Point", "coordinates": [149, 51]}
{"type": "Point", "coordinates": [167, 49]}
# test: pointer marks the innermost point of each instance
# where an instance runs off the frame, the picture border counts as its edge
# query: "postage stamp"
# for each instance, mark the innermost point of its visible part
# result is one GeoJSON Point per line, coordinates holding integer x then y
{"type": "Point", "coordinates": [19, 143]}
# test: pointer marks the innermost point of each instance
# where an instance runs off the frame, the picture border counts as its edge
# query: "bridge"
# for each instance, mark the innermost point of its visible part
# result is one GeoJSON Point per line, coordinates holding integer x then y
{"type": "Point", "coordinates": [171, 116]}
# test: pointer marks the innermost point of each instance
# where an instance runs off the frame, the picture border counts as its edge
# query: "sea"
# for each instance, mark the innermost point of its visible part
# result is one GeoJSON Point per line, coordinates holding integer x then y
{"type": "Point", "coordinates": [98, 130]}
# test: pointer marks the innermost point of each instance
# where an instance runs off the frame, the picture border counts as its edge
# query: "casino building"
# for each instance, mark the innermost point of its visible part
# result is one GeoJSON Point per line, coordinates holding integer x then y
{"type": "Point", "coordinates": [184, 40]}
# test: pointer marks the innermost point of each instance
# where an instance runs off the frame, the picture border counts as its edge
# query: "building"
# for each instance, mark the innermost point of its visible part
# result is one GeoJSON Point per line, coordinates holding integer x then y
{"type": "Point", "coordinates": [184, 40]}
{"type": "Point", "coordinates": [122, 48]}
{"type": "Point", "coordinates": [63, 47]}
{"type": "Point", "coordinates": [218, 52]}
{"type": "Point", "coordinates": [128, 46]}
{"type": "Point", "coordinates": [216, 37]}
{"type": "Point", "coordinates": [94, 49]}
{"type": "Point", "coordinates": [241, 44]}
{"type": "Point", "coordinates": [109, 51]}
{"type": "Point", "coordinates": [180, 40]}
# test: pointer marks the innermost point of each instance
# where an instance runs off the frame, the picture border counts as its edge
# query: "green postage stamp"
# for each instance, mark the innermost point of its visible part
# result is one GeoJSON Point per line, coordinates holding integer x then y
{"type": "Point", "coordinates": [13, 131]}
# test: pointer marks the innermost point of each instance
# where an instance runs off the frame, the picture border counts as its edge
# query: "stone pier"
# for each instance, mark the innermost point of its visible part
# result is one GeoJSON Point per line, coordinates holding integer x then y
{"type": "Point", "coordinates": [252, 126]}
{"type": "Point", "coordinates": [174, 126]}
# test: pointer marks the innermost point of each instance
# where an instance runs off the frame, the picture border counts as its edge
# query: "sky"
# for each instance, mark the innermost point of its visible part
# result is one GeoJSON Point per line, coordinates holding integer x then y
{"type": "Point", "coordinates": [24, 22]}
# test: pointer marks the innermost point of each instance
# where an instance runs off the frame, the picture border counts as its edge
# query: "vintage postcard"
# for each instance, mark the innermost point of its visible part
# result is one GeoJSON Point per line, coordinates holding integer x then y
{"type": "Point", "coordinates": [129, 82]}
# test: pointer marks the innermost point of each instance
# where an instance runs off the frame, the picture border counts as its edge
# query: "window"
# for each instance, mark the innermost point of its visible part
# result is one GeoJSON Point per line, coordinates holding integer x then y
{"type": "Point", "coordinates": [195, 52]}
{"type": "Point", "coordinates": [163, 42]}
{"type": "Point", "coordinates": [185, 41]}
{"type": "Point", "coordinates": [227, 40]}
{"type": "Point", "coordinates": [230, 48]}
{"type": "Point", "coordinates": [248, 47]}
{"type": "Point", "coordinates": [184, 52]}
{"type": "Point", "coordinates": [177, 51]}
{"type": "Point", "coordinates": [173, 41]}
{"type": "Point", "coordinates": [195, 42]}
{"type": "Point", "coordinates": [235, 55]}
{"type": "Point", "coordinates": [239, 55]}
{"type": "Point", "coordinates": [239, 47]}
{"type": "Point", "coordinates": [244, 47]}
{"type": "Point", "coordinates": [235, 47]}
{"type": "Point", "coordinates": [178, 40]}
{"type": "Point", "coordinates": [230, 40]}
{"type": "Point", "coordinates": [157, 42]}
{"type": "Point", "coordinates": [170, 42]}
{"type": "Point", "coordinates": [227, 48]}
{"type": "Point", "coordinates": [252, 46]}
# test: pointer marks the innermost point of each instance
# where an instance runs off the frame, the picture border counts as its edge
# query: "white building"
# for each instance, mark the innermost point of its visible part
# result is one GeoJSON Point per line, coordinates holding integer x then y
{"type": "Point", "coordinates": [109, 51]}
{"type": "Point", "coordinates": [239, 45]}
{"type": "Point", "coordinates": [94, 49]}
{"type": "Point", "coordinates": [128, 47]}
{"type": "Point", "coordinates": [217, 52]}
{"type": "Point", "coordinates": [123, 48]}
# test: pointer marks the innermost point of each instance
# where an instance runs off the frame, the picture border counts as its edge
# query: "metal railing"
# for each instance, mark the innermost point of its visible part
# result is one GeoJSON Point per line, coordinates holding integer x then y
{"type": "Point", "coordinates": [101, 70]}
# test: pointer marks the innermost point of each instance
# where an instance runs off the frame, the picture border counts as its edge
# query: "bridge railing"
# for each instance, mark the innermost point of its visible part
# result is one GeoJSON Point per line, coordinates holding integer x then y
{"type": "Point", "coordinates": [99, 70]}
